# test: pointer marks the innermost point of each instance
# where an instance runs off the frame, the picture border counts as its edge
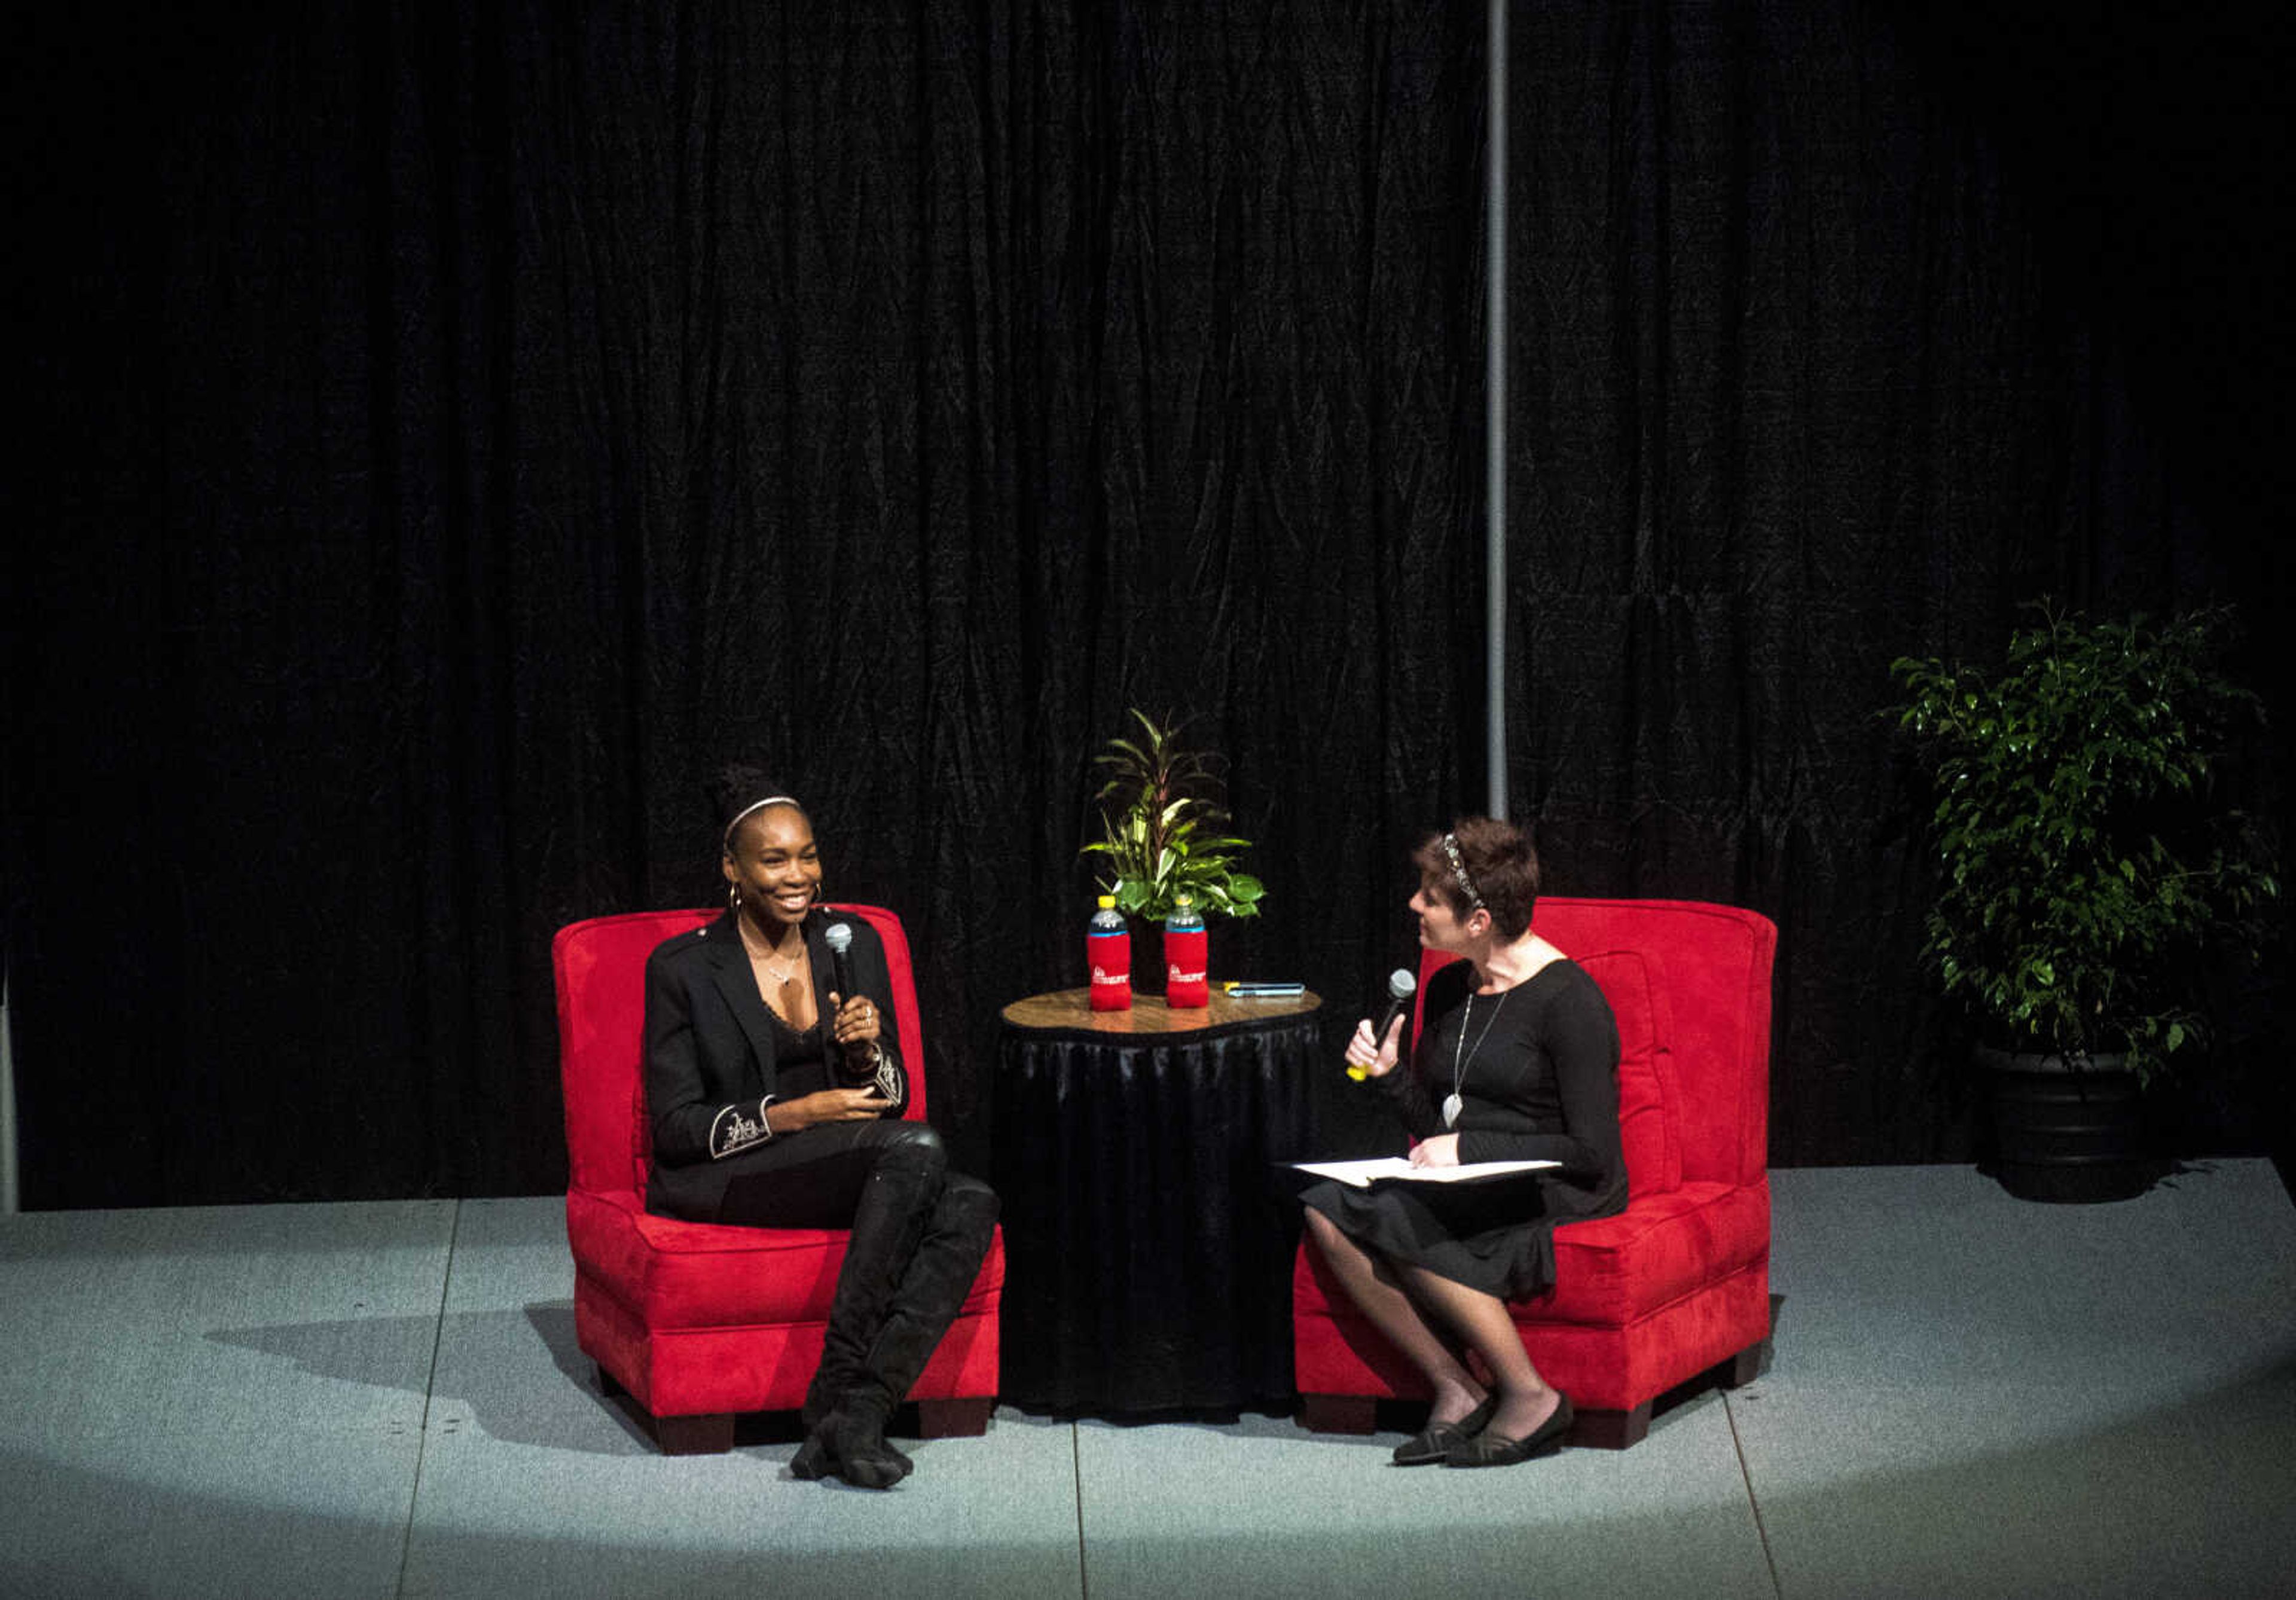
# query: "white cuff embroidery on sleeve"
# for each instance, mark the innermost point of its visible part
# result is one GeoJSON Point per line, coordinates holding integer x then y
{"type": "Point", "coordinates": [731, 1131]}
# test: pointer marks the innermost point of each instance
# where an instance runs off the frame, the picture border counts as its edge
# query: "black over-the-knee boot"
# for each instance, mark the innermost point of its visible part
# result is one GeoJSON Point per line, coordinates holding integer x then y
{"type": "Point", "coordinates": [897, 1202]}
{"type": "Point", "coordinates": [931, 1293]}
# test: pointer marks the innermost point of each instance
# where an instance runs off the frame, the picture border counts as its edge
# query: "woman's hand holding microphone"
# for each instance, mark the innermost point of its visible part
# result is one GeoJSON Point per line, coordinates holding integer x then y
{"type": "Point", "coordinates": [1373, 1051]}
{"type": "Point", "coordinates": [1368, 1057]}
{"type": "Point", "coordinates": [1367, 1060]}
{"type": "Point", "coordinates": [1373, 1054]}
{"type": "Point", "coordinates": [856, 1031]}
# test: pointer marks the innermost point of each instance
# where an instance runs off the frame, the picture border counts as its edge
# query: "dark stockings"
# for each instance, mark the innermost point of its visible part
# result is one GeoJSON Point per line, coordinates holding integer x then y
{"type": "Point", "coordinates": [1422, 1313]}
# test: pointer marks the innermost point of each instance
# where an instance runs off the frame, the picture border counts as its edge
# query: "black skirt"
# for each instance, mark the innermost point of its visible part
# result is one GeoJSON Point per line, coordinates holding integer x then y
{"type": "Point", "coordinates": [1496, 1236]}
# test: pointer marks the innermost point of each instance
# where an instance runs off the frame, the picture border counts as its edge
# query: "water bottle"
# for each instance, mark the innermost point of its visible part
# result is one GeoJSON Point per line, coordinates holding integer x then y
{"type": "Point", "coordinates": [1108, 953]}
{"type": "Point", "coordinates": [1187, 981]}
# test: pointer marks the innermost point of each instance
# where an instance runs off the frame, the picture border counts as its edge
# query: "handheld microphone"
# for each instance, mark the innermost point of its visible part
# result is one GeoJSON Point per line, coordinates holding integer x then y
{"type": "Point", "coordinates": [890, 1082]}
{"type": "Point", "coordinates": [839, 938]}
{"type": "Point", "coordinates": [1400, 986]}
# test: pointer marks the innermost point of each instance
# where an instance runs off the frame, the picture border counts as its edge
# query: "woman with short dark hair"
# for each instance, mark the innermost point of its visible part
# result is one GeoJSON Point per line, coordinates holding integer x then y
{"type": "Point", "coordinates": [1517, 1061]}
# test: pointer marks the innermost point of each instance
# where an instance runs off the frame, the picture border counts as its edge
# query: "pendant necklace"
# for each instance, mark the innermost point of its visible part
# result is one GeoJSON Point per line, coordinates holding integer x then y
{"type": "Point", "coordinates": [784, 972]}
{"type": "Point", "coordinates": [1452, 1104]}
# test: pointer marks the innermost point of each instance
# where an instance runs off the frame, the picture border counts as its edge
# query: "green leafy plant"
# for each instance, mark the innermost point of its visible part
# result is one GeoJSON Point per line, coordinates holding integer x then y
{"type": "Point", "coordinates": [1160, 826]}
{"type": "Point", "coordinates": [2087, 866]}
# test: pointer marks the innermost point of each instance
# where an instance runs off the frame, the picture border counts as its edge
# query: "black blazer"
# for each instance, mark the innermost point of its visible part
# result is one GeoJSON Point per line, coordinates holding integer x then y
{"type": "Point", "coordinates": [710, 1054]}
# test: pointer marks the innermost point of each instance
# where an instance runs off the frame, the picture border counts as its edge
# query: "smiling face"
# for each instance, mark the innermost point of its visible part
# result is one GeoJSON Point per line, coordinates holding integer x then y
{"type": "Point", "coordinates": [774, 863]}
{"type": "Point", "coordinates": [1440, 927]}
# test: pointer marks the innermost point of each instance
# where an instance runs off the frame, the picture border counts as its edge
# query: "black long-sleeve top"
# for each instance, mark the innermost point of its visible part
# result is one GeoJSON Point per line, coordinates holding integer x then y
{"type": "Point", "coordinates": [1537, 1071]}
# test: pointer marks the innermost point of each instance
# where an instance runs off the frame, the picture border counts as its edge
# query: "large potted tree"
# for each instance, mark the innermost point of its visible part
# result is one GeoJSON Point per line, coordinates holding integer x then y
{"type": "Point", "coordinates": [2089, 871]}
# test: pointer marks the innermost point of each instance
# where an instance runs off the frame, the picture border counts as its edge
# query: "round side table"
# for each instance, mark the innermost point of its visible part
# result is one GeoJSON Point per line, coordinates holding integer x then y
{"type": "Point", "coordinates": [1148, 1250]}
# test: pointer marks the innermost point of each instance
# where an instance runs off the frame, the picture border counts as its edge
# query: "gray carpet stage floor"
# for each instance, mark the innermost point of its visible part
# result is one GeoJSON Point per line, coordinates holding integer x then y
{"type": "Point", "coordinates": [1969, 1396]}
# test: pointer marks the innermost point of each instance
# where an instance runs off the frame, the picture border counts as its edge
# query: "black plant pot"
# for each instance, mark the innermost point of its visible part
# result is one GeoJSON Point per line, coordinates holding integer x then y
{"type": "Point", "coordinates": [1147, 955]}
{"type": "Point", "coordinates": [1150, 974]}
{"type": "Point", "coordinates": [2065, 1131]}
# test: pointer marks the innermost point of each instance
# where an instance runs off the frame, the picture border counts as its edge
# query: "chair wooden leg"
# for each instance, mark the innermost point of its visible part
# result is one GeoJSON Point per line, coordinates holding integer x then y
{"type": "Point", "coordinates": [1743, 1367]}
{"type": "Point", "coordinates": [966, 1418]}
{"type": "Point", "coordinates": [710, 1435]}
{"type": "Point", "coordinates": [1611, 1430]}
{"type": "Point", "coordinates": [1338, 1413]}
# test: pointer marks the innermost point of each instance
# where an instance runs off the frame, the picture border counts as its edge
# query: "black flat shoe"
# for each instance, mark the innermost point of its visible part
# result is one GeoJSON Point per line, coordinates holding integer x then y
{"type": "Point", "coordinates": [1489, 1449]}
{"type": "Point", "coordinates": [1436, 1441]}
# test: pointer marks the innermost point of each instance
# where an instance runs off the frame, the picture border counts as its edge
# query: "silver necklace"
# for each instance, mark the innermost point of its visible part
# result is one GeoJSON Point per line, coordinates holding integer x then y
{"type": "Point", "coordinates": [1452, 1105]}
{"type": "Point", "coordinates": [767, 958]}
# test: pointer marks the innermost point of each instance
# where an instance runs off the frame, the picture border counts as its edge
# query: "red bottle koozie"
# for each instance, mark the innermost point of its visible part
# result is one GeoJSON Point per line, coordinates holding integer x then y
{"type": "Point", "coordinates": [1111, 956]}
{"type": "Point", "coordinates": [1188, 980]}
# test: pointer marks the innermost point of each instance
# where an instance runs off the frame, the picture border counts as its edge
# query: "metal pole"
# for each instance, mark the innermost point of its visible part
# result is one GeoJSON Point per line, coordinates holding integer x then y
{"type": "Point", "coordinates": [7, 1106]}
{"type": "Point", "coordinates": [1495, 349]}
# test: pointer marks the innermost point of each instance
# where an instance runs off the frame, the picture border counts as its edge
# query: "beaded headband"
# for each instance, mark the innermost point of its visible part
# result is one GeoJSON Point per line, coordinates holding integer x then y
{"type": "Point", "coordinates": [1459, 871]}
{"type": "Point", "coordinates": [771, 799]}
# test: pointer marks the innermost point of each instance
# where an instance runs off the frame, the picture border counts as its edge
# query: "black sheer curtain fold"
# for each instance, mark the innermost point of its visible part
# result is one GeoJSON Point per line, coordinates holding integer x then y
{"type": "Point", "coordinates": [1011, 367]}
{"type": "Point", "coordinates": [465, 426]}
{"type": "Point", "coordinates": [1812, 368]}
{"type": "Point", "coordinates": [551, 404]}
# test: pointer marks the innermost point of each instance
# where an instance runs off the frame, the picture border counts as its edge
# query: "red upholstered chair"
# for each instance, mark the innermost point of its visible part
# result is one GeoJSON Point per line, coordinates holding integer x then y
{"type": "Point", "coordinates": [697, 1321]}
{"type": "Point", "coordinates": [1680, 1283]}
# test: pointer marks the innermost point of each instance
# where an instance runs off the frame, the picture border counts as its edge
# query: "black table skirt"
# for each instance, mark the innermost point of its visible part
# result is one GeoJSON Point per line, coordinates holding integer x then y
{"type": "Point", "coordinates": [1148, 1241]}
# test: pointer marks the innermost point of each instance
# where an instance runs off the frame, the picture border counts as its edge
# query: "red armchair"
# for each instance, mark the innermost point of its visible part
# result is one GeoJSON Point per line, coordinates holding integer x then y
{"type": "Point", "coordinates": [697, 1321]}
{"type": "Point", "coordinates": [1678, 1284]}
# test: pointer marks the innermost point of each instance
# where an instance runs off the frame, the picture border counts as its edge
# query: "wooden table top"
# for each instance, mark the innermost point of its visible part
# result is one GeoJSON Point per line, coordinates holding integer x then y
{"type": "Point", "coordinates": [1070, 1009]}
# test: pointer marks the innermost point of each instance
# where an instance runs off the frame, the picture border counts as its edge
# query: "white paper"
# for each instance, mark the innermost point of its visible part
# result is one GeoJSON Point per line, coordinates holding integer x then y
{"type": "Point", "coordinates": [1363, 1174]}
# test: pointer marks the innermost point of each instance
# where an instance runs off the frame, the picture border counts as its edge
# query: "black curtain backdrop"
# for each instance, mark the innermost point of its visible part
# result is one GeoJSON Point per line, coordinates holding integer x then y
{"type": "Point", "coordinates": [463, 427]}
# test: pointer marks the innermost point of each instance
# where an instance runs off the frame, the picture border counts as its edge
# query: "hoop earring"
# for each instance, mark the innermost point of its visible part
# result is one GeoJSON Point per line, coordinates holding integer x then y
{"type": "Point", "coordinates": [734, 899]}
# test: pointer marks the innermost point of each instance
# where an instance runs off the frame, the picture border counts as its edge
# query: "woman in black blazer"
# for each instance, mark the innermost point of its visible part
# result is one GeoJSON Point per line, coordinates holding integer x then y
{"type": "Point", "coordinates": [773, 1102]}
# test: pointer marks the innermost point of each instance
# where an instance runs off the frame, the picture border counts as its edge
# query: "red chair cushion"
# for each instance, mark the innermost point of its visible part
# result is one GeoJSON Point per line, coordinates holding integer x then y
{"type": "Point", "coordinates": [1631, 982]}
{"type": "Point", "coordinates": [1615, 1269]}
{"type": "Point", "coordinates": [695, 1274]}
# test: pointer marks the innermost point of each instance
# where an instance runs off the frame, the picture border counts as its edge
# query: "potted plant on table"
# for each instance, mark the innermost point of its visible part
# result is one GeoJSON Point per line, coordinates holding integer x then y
{"type": "Point", "coordinates": [2088, 870]}
{"type": "Point", "coordinates": [1161, 829]}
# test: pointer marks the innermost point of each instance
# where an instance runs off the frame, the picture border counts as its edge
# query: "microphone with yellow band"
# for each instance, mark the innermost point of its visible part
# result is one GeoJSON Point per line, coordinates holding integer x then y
{"type": "Point", "coordinates": [1400, 986]}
